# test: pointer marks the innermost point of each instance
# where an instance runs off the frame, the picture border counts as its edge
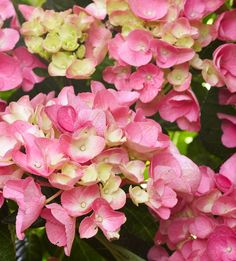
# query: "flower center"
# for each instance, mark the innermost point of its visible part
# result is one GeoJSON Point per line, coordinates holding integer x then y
{"type": "Point", "coordinates": [98, 218]}
{"type": "Point", "coordinates": [193, 237]}
{"type": "Point", "coordinates": [229, 249]}
{"type": "Point", "coordinates": [148, 13]}
{"type": "Point", "coordinates": [83, 204]}
{"type": "Point", "coordinates": [164, 52]}
{"type": "Point", "coordinates": [82, 148]}
{"type": "Point", "coordinates": [37, 165]}
{"type": "Point", "coordinates": [149, 77]}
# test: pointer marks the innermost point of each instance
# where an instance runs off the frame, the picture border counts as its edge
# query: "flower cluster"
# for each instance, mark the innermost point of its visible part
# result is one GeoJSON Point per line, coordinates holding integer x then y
{"type": "Point", "coordinates": [16, 69]}
{"type": "Point", "coordinates": [97, 149]}
{"type": "Point", "coordinates": [73, 41]}
{"type": "Point", "coordinates": [201, 227]}
{"type": "Point", "coordinates": [87, 146]}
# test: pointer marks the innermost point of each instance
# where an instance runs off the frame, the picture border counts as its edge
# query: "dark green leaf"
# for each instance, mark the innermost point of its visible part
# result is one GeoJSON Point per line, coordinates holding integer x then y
{"type": "Point", "coordinates": [59, 5]}
{"type": "Point", "coordinates": [42, 72]}
{"type": "Point", "coordinates": [210, 134]}
{"type": "Point", "coordinates": [7, 244]}
{"type": "Point", "coordinates": [118, 252]}
{"type": "Point", "coordinates": [83, 251]}
{"type": "Point", "coordinates": [199, 154]}
{"type": "Point", "coordinates": [34, 249]}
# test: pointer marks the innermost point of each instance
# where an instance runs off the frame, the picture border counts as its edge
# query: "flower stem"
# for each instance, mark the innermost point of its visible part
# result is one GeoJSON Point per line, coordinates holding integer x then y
{"type": "Point", "coordinates": [53, 197]}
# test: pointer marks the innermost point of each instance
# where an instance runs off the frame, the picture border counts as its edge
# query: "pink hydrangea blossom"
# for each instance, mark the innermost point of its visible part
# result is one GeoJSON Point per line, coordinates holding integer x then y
{"type": "Point", "coordinates": [41, 155]}
{"type": "Point", "coordinates": [168, 55]}
{"type": "Point", "coordinates": [11, 172]}
{"type": "Point", "coordinates": [145, 137]}
{"type": "Point", "coordinates": [10, 73]}
{"type": "Point", "coordinates": [78, 201]}
{"type": "Point", "coordinates": [30, 200]}
{"type": "Point", "coordinates": [151, 11]}
{"type": "Point", "coordinates": [105, 218]}
{"type": "Point", "coordinates": [180, 77]}
{"type": "Point", "coordinates": [157, 253]}
{"type": "Point", "coordinates": [28, 62]}
{"type": "Point", "coordinates": [147, 80]}
{"type": "Point", "coordinates": [97, 9]}
{"type": "Point", "coordinates": [224, 62]}
{"type": "Point", "coordinates": [112, 193]}
{"type": "Point", "coordinates": [60, 227]}
{"type": "Point", "coordinates": [210, 74]}
{"type": "Point", "coordinates": [7, 9]}
{"type": "Point", "coordinates": [228, 169]}
{"type": "Point", "coordinates": [177, 171]}
{"type": "Point", "coordinates": [195, 10]}
{"type": "Point", "coordinates": [182, 108]}
{"type": "Point", "coordinates": [96, 43]}
{"type": "Point", "coordinates": [118, 75]}
{"type": "Point", "coordinates": [81, 148]}
{"type": "Point", "coordinates": [8, 39]}
{"type": "Point", "coordinates": [135, 48]}
{"type": "Point", "coordinates": [228, 127]}
{"type": "Point", "coordinates": [207, 180]}
{"type": "Point", "coordinates": [225, 25]}
{"type": "Point", "coordinates": [221, 244]}
{"type": "Point", "coordinates": [226, 97]}
{"type": "Point", "coordinates": [161, 198]}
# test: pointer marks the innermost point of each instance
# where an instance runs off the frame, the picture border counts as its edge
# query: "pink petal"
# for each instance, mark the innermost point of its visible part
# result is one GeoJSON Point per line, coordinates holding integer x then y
{"type": "Point", "coordinates": [87, 227]}
{"type": "Point", "coordinates": [10, 73]}
{"type": "Point", "coordinates": [84, 148]}
{"type": "Point", "coordinates": [151, 10]}
{"type": "Point", "coordinates": [8, 39]}
{"type": "Point", "coordinates": [78, 201]}
{"type": "Point", "coordinates": [29, 199]}
{"type": "Point", "coordinates": [60, 227]}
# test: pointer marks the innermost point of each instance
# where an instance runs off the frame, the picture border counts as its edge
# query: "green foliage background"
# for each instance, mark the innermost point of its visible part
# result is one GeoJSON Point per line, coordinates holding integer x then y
{"type": "Point", "coordinates": [137, 234]}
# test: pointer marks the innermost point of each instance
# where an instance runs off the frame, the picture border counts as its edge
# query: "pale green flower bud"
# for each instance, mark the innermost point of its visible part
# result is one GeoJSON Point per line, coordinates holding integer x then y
{"type": "Point", "coordinates": [69, 36]}
{"type": "Point", "coordinates": [52, 20]}
{"type": "Point", "coordinates": [80, 53]}
{"type": "Point", "coordinates": [33, 28]}
{"type": "Point", "coordinates": [35, 45]}
{"type": "Point", "coordinates": [52, 43]}
{"type": "Point", "coordinates": [81, 69]}
{"type": "Point", "coordinates": [69, 31]}
{"type": "Point", "coordinates": [60, 62]}
{"type": "Point", "coordinates": [70, 45]}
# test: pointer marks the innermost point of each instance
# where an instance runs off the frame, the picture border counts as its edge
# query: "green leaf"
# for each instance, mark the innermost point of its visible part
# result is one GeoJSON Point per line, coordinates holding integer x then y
{"type": "Point", "coordinates": [6, 95]}
{"type": "Point", "coordinates": [7, 249]}
{"type": "Point", "coordinates": [210, 134]}
{"type": "Point", "coordinates": [139, 222]}
{"type": "Point", "coordinates": [201, 156]}
{"type": "Point", "coordinates": [139, 230]}
{"type": "Point", "coordinates": [83, 251]}
{"type": "Point", "coordinates": [60, 5]}
{"type": "Point", "coordinates": [34, 248]}
{"type": "Point", "coordinates": [31, 2]}
{"type": "Point", "coordinates": [118, 252]}
{"type": "Point", "coordinates": [7, 244]}
{"type": "Point", "coordinates": [182, 139]}
{"type": "Point", "coordinates": [30, 248]}
{"type": "Point", "coordinates": [42, 72]}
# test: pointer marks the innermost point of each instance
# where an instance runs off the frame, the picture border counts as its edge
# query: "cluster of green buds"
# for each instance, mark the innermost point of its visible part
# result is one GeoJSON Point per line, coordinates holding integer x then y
{"type": "Point", "coordinates": [60, 38]}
